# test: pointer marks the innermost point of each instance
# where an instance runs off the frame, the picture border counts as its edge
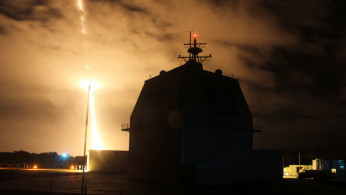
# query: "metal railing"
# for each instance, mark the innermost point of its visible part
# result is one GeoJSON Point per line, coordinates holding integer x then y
{"type": "Point", "coordinates": [257, 127]}
{"type": "Point", "coordinates": [125, 127]}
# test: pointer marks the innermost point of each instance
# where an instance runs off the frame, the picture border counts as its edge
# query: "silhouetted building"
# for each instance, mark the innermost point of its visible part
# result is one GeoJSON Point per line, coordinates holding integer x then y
{"type": "Point", "coordinates": [190, 125]}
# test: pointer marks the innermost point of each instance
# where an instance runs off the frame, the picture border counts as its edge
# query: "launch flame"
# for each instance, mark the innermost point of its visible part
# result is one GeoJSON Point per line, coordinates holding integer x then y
{"type": "Point", "coordinates": [95, 140]}
{"type": "Point", "coordinates": [96, 143]}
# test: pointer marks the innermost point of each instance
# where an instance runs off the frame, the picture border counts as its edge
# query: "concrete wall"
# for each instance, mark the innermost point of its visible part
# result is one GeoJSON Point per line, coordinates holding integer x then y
{"type": "Point", "coordinates": [295, 168]}
{"type": "Point", "coordinates": [188, 117]}
{"type": "Point", "coordinates": [210, 99]}
{"type": "Point", "coordinates": [154, 155]}
{"type": "Point", "coordinates": [222, 156]}
{"type": "Point", "coordinates": [154, 134]}
{"type": "Point", "coordinates": [216, 137]}
{"type": "Point", "coordinates": [111, 161]}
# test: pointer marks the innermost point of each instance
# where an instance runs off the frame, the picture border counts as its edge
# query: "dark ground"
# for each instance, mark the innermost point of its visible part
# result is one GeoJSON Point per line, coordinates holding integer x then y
{"type": "Point", "coordinates": [56, 182]}
{"type": "Point", "coordinates": [15, 173]}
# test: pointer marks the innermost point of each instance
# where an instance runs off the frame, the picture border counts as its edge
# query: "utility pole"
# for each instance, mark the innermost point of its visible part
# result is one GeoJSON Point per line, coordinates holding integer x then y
{"type": "Point", "coordinates": [85, 141]}
{"type": "Point", "coordinates": [283, 164]}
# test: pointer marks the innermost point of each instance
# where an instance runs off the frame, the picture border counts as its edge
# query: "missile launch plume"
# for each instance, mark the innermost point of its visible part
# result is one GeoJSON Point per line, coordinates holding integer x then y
{"type": "Point", "coordinates": [94, 140]}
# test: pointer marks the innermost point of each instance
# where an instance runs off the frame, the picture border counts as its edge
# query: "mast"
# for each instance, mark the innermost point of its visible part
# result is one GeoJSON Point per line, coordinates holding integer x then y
{"type": "Point", "coordinates": [194, 49]}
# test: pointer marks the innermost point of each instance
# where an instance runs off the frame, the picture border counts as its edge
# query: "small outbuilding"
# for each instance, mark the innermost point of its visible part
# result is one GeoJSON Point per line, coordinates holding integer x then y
{"type": "Point", "coordinates": [110, 161]}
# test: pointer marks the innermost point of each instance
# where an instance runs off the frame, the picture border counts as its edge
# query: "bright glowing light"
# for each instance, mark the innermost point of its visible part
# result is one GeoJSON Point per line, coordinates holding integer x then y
{"type": "Point", "coordinates": [72, 167]}
{"type": "Point", "coordinates": [87, 166]}
{"type": "Point", "coordinates": [35, 166]}
{"type": "Point", "coordinates": [82, 18]}
{"type": "Point", "coordinates": [95, 136]}
{"type": "Point", "coordinates": [64, 155]}
{"type": "Point", "coordinates": [80, 5]}
{"type": "Point", "coordinates": [94, 85]}
{"type": "Point", "coordinates": [94, 141]}
{"type": "Point", "coordinates": [83, 30]}
{"type": "Point", "coordinates": [195, 35]}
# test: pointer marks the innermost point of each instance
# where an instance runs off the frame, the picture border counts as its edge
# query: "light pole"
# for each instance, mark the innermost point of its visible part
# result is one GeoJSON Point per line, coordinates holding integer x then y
{"type": "Point", "coordinates": [85, 140]}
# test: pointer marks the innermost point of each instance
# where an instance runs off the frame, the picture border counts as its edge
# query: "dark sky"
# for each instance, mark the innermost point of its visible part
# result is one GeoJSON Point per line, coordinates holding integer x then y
{"type": "Point", "coordinates": [289, 57]}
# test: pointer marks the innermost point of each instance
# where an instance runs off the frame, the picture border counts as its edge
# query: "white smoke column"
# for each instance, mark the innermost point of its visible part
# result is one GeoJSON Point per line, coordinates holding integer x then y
{"type": "Point", "coordinates": [94, 138]}
{"type": "Point", "coordinates": [82, 21]}
{"type": "Point", "coordinates": [82, 17]}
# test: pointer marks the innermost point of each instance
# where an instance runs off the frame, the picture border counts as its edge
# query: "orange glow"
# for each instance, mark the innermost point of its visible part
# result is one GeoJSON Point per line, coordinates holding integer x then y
{"type": "Point", "coordinates": [35, 166]}
{"type": "Point", "coordinates": [72, 167]}
{"type": "Point", "coordinates": [94, 85]}
{"type": "Point", "coordinates": [195, 35]}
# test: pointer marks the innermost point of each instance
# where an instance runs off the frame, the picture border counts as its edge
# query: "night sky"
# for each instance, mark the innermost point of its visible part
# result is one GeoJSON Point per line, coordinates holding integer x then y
{"type": "Point", "coordinates": [289, 57]}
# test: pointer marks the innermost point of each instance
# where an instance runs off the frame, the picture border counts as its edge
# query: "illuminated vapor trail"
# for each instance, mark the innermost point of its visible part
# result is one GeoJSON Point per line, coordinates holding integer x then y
{"type": "Point", "coordinates": [95, 140]}
{"type": "Point", "coordinates": [96, 143]}
{"type": "Point", "coordinates": [82, 17]}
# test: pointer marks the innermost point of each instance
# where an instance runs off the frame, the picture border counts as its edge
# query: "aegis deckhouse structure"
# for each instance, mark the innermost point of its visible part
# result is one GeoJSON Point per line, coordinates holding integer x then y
{"type": "Point", "coordinates": [190, 125]}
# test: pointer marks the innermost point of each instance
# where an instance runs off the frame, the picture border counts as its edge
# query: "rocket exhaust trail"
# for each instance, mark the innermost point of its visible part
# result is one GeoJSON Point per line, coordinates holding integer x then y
{"type": "Point", "coordinates": [94, 141]}
{"type": "Point", "coordinates": [82, 22]}
{"type": "Point", "coordinates": [82, 17]}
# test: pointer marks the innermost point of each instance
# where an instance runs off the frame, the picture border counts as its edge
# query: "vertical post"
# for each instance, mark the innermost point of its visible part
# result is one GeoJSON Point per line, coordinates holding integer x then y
{"type": "Point", "coordinates": [86, 189]}
{"type": "Point", "coordinates": [194, 45]}
{"type": "Point", "coordinates": [190, 46]}
{"type": "Point", "coordinates": [283, 163]}
{"type": "Point", "coordinates": [299, 163]}
{"type": "Point", "coordinates": [85, 140]}
{"type": "Point", "coordinates": [207, 174]}
{"type": "Point", "coordinates": [50, 184]}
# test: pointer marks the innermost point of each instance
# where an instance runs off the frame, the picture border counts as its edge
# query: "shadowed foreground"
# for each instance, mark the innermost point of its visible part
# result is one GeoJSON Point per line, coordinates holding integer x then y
{"type": "Point", "coordinates": [70, 183]}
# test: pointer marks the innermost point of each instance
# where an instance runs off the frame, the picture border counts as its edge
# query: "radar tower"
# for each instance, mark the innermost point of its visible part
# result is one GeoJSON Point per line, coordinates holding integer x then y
{"type": "Point", "coordinates": [194, 49]}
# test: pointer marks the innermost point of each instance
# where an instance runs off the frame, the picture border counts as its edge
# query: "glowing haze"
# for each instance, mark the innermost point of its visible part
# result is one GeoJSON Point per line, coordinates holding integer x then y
{"type": "Point", "coordinates": [288, 55]}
